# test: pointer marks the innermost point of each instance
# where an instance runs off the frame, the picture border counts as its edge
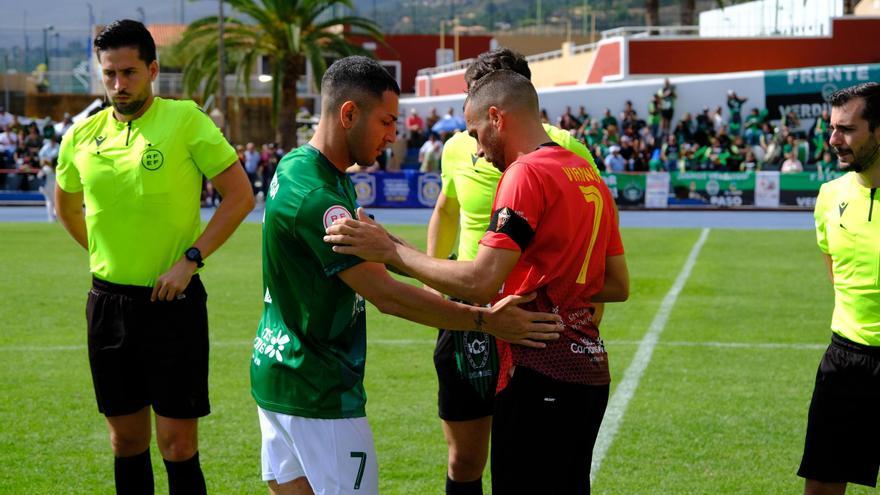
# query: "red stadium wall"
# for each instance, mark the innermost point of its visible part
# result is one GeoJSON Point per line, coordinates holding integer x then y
{"type": "Point", "coordinates": [853, 41]}
{"type": "Point", "coordinates": [418, 51]}
{"type": "Point", "coordinates": [606, 62]}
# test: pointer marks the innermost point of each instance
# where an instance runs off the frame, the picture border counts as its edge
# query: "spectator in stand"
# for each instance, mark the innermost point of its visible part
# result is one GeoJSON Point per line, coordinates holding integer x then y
{"type": "Point", "coordinates": [670, 152]}
{"type": "Point", "coordinates": [429, 154]}
{"type": "Point", "coordinates": [593, 135]}
{"type": "Point", "coordinates": [752, 131]}
{"type": "Point", "coordinates": [608, 120]}
{"type": "Point", "coordinates": [734, 105]}
{"type": "Point", "coordinates": [790, 122]}
{"type": "Point", "coordinates": [654, 115]}
{"type": "Point", "coordinates": [545, 119]}
{"type": "Point", "coordinates": [583, 117]}
{"type": "Point", "coordinates": [792, 164]}
{"type": "Point", "coordinates": [65, 125]}
{"type": "Point", "coordinates": [432, 119]}
{"type": "Point", "coordinates": [48, 153]}
{"type": "Point", "coordinates": [415, 126]}
{"type": "Point", "coordinates": [750, 164]}
{"type": "Point", "coordinates": [826, 166]}
{"type": "Point", "coordinates": [717, 121]}
{"type": "Point", "coordinates": [821, 134]}
{"type": "Point", "coordinates": [628, 115]}
{"type": "Point", "coordinates": [704, 127]}
{"type": "Point", "coordinates": [614, 162]}
{"type": "Point", "coordinates": [667, 105]}
{"type": "Point", "coordinates": [251, 162]}
{"type": "Point", "coordinates": [48, 131]}
{"type": "Point", "coordinates": [46, 176]}
{"type": "Point", "coordinates": [8, 143]}
{"type": "Point", "coordinates": [5, 117]}
{"type": "Point", "coordinates": [567, 121]}
{"type": "Point", "coordinates": [684, 130]}
{"type": "Point", "coordinates": [627, 152]}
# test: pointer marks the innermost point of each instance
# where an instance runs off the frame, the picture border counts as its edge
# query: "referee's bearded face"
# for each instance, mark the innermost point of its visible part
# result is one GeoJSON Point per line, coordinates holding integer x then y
{"type": "Point", "coordinates": [857, 147]}
{"type": "Point", "coordinates": [127, 78]}
{"type": "Point", "coordinates": [372, 128]}
{"type": "Point", "coordinates": [481, 128]}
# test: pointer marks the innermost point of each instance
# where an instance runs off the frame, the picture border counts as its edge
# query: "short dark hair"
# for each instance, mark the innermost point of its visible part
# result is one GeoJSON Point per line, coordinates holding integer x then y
{"type": "Point", "coordinates": [870, 92]}
{"type": "Point", "coordinates": [354, 78]}
{"type": "Point", "coordinates": [127, 33]}
{"type": "Point", "coordinates": [499, 58]}
{"type": "Point", "coordinates": [503, 88]}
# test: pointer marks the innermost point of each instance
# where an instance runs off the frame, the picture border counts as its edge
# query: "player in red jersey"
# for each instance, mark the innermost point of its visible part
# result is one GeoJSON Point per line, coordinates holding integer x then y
{"type": "Point", "coordinates": [554, 231]}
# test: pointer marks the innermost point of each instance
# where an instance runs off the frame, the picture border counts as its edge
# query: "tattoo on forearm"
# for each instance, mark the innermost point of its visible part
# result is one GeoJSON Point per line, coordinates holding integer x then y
{"type": "Point", "coordinates": [479, 321]}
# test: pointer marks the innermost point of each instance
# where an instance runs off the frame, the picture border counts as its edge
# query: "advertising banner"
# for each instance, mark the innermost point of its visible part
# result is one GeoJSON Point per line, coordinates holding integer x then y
{"type": "Point", "coordinates": [730, 189]}
{"type": "Point", "coordinates": [627, 189]}
{"type": "Point", "coordinates": [802, 189]}
{"type": "Point", "coordinates": [405, 189]}
{"type": "Point", "coordinates": [657, 190]}
{"type": "Point", "coordinates": [767, 189]}
{"type": "Point", "coordinates": [806, 90]}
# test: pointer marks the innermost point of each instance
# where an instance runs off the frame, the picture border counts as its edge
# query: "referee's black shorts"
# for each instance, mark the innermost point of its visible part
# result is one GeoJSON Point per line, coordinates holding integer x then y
{"type": "Point", "coordinates": [543, 433]}
{"type": "Point", "coordinates": [843, 441]}
{"type": "Point", "coordinates": [146, 353]}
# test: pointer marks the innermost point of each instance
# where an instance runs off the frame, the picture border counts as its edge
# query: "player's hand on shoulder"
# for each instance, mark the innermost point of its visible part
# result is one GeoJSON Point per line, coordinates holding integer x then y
{"type": "Point", "coordinates": [363, 237]}
{"type": "Point", "coordinates": [507, 321]}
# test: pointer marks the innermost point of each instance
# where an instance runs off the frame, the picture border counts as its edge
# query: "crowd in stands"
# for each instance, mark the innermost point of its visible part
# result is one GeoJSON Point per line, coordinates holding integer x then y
{"type": "Point", "coordinates": [719, 139]}
{"type": "Point", "coordinates": [28, 151]}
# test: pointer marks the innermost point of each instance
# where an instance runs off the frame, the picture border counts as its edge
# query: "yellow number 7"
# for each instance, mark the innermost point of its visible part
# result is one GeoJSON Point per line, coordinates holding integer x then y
{"type": "Point", "coordinates": [591, 195]}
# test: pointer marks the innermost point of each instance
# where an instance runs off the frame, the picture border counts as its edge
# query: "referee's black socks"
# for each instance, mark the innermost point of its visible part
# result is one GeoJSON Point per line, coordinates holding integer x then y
{"type": "Point", "coordinates": [185, 477]}
{"type": "Point", "coordinates": [134, 475]}
{"type": "Point", "coordinates": [464, 487]}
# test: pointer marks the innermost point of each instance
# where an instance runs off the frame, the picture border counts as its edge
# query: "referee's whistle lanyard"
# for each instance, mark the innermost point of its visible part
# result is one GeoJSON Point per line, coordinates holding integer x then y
{"type": "Point", "coordinates": [871, 207]}
{"type": "Point", "coordinates": [128, 133]}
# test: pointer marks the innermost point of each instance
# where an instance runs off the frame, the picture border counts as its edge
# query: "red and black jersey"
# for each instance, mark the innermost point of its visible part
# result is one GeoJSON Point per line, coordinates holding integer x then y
{"type": "Point", "coordinates": [553, 206]}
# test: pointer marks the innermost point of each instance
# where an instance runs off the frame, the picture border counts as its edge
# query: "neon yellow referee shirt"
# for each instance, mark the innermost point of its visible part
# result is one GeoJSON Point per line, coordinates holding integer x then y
{"type": "Point", "coordinates": [473, 181]}
{"type": "Point", "coordinates": [141, 183]}
{"type": "Point", "coordinates": [848, 229]}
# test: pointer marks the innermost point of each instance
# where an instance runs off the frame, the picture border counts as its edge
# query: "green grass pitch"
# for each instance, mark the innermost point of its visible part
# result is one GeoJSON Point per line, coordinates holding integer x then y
{"type": "Point", "coordinates": [717, 411]}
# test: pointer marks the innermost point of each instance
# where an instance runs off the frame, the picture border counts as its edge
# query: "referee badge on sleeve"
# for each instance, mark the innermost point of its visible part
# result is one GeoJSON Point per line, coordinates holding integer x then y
{"type": "Point", "coordinates": [334, 213]}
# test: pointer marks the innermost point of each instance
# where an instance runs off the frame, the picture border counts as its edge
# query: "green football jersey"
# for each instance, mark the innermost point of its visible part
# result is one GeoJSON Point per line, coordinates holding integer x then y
{"type": "Point", "coordinates": [847, 231]}
{"type": "Point", "coordinates": [310, 347]}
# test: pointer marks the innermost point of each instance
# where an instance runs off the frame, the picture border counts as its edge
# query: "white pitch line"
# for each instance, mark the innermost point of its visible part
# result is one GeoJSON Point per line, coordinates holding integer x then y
{"type": "Point", "coordinates": [626, 389]}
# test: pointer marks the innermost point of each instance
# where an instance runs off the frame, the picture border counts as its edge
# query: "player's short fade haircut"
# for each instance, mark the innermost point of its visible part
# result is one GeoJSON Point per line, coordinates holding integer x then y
{"type": "Point", "coordinates": [870, 92]}
{"type": "Point", "coordinates": [499, 58]}
{"type": "Point", "coordinates": [356, 78]}
{"type": "Point", "coordinates": [505, 89]}
{"type": "Point", "coordinates": [127, 33]}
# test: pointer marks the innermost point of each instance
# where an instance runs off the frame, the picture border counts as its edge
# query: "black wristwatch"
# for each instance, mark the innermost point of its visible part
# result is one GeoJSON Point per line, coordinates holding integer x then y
{"type": "Point", "coordinates": [193, 254]}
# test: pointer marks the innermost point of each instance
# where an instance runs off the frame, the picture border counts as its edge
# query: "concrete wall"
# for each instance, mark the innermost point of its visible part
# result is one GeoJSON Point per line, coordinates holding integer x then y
{"type": "Point", "coordinates": [562, 71]}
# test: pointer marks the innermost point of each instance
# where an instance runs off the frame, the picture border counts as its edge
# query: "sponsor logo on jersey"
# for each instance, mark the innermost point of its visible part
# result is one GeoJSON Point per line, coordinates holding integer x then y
{"type": "Point", "coordinates": [273, 187]}
{"type": "Point", "coordinates": [99, 140]}
{"type": "Point", "coordinates": [842, 207]}
{"type": "Point", "coordinates": [268, 298]}
{"type": "Point", "coordinates": [335, 213]}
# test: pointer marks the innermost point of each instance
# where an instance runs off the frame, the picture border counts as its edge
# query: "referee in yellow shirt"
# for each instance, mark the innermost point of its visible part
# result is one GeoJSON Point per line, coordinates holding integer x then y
{"type": "Point", "coordinates": [467, 362]}
{"type": "Point", "coordinates": [843, 441]}
{"type": "Point", "coordinates": [138, 168]}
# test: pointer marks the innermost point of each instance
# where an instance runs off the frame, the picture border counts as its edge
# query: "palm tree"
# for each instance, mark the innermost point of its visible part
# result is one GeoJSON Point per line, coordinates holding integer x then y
{"type": "Point", "coordinates": [289, 32]}
{"type": "Point", "coordinates": [652, 13]}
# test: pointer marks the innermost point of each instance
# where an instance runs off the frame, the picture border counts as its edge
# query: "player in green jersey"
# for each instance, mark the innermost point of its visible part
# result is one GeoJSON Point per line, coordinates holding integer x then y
{"type": "Point", "coordinates": [138, 168]}
{"type": "Point", "coordinates": [308, 359]}
{"type": "Point", "coordinates": [466, 372]}
{"type": "Point", "coordinates": [842, 442]}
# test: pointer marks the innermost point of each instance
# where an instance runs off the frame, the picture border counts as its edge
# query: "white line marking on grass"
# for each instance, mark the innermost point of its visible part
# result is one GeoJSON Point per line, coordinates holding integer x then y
{"type": "Point", "coordinates": [626, 389]}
